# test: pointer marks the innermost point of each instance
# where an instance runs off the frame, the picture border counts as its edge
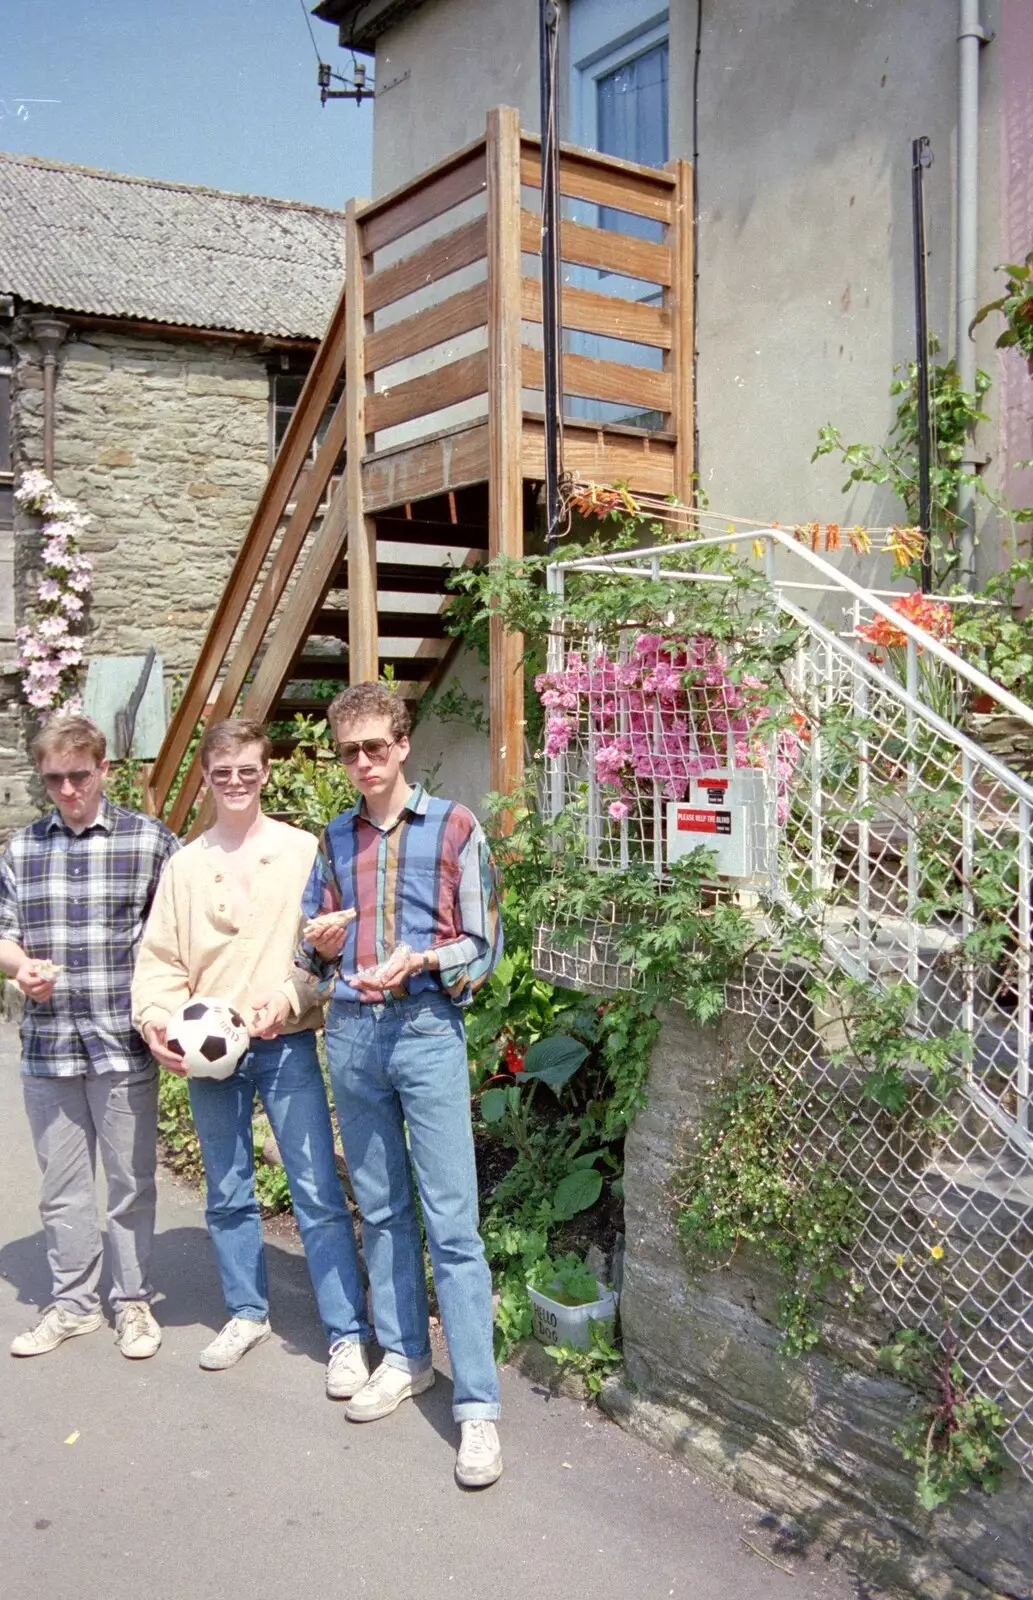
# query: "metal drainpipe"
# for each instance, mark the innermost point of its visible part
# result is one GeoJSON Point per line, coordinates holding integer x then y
{"type": "Point", "coordinates": [971, 36]}
{"type": "Point", "coordinates": [49, 334]}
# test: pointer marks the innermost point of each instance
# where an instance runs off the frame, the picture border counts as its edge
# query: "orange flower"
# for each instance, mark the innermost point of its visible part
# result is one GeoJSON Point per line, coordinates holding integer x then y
{"type": "Point", "coordinates": [930, 615]}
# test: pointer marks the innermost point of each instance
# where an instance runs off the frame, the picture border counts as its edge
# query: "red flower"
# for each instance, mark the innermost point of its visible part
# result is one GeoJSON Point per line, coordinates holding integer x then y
{"type": "Point", "coordinates": [513, 1057]}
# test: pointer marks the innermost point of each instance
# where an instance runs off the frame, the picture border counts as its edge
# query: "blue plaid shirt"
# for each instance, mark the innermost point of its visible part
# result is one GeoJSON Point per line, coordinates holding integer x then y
{"type": "Point", "coordinates": [81, 901]}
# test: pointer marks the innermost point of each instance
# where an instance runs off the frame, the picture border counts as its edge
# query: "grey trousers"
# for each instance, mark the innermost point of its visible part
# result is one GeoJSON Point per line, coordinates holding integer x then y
{"type": "Point", "coordinates": [69, 1118]}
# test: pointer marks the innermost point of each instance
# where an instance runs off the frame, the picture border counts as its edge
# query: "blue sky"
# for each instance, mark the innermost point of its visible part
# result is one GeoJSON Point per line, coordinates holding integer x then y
{"type": "Point", "coordinates": [219, 92]}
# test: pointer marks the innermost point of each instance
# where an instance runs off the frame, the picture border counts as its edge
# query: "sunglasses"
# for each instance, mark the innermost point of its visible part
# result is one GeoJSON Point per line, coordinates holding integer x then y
{"type": "Point", "coordinates": [55, 781]}
{"type": "Point", "coordinates": [375, 749]}
{"type": "Point", "coordinates": [221, 776]}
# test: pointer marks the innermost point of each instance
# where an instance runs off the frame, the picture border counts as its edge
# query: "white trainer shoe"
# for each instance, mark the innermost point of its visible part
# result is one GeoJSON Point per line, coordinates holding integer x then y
{"type": "Point", "coordinates": [240, 1335]}
{"type": "Point", "coordinates": [479, 1461]}
{"type": "Point", "coordinates": [137, 1334]}
{"type": "Point", "coordinates": [347, 1370]}
{"type": "Point", "coordinates": [53, 1328]}
{"type": "Point", "coordinates": [385, 1391]}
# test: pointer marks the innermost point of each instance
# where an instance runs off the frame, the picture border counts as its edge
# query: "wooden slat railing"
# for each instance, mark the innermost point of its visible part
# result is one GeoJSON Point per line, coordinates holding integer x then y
{"type": "Point", "coordinates": [323, 377]}
{"type": "Point", "coordinates": [390, 260]}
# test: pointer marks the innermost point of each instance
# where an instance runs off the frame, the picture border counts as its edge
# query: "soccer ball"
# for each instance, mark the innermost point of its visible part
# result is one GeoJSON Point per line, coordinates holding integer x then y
{"type": "Point", "coordinates": [210, 1035]}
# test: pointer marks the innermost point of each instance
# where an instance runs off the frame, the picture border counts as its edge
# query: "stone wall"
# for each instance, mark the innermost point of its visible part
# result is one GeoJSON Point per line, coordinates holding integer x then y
{"type": "Point", "coordinates": [810, 1437]}
{"type": "Point", "coordinates": [165, 443]}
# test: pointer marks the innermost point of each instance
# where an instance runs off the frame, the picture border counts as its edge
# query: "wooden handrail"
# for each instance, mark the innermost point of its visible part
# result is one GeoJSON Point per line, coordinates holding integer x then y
{"type": "Point", "coordinates": [317, 391]}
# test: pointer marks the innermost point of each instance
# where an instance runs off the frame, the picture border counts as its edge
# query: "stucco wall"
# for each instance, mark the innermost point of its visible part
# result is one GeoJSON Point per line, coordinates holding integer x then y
{"type": "Point", "coordinates": [805, 119]}
{"type": "Point", "coordinates": [438, 75]}
{"type": "Point", "coordinates": [164, 442]}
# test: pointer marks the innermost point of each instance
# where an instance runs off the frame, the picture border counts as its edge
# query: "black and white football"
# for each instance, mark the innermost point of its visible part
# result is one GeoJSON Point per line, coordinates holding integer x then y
{"type": "Point", "coordinates": [210, 1036]}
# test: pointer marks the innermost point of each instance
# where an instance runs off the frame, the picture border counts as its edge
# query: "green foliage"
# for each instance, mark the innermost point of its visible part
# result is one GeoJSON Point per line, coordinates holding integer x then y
{"type": "Point", "coordinates": [554, 1060]}
{"type": "Point", "coordinates": [953, 1435]}
{"type": "Point", "coordinates": [310, 786]}
{"type": "Point", "coordinates": [566, 1280]}
{"type": "Point", "coordinates": [271, 1187]}
{"type": "Point", "coordinates": [455, 704]}
{"type": "Point", "coordinates": [742, 1184]}
{"type": "Point", "coordinates": [594, 1365]}
{"type": "Point", "coordinates": [124, 784]}
{"type": "Point", "coordinates": [899, 1063]}
{"type": "Point", "coordinates": [577, 1191]}
{"type": "Point", "coordinates": [954, 412]}
{"type": "Point", "coordinates": [182, 1148]}
{"type": "Point", "coordinates": [513, 1006]}
{"type": "Point", "coordinates": [1015, 306]}
{"type": "Point", "coordinates": [513, 1248]}
{"type": "Point", "coordinates": [993, 637]}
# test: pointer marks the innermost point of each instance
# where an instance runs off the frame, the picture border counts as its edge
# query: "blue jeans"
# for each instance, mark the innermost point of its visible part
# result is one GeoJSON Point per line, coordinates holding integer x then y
{"type": "Point", "coordinates": [285, 1073]}
{"type": "Point", "coordinates": [404, 1065]}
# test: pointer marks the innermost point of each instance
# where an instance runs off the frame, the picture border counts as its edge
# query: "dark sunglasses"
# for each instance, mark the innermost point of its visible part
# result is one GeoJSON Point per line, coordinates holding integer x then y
{"type": "Point", "coordinates": [375, 749]}
{"type": "Point", "coordinates": [221, 776]}
{"type": "Point", "coordinates": [57, 780]}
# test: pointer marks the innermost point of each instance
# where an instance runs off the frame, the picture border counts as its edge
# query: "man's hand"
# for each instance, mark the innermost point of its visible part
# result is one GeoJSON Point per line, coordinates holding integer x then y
{"type": "Point", "coordinates": [326, 942]}
{"type": "Point", "coordinates": [154, 1038]}
{"type": "Point", "coordinates": [33, 985]}
{"type": "Point", "coordinates": [269, 1016]}
{"type": "Point", "coordinates": [399, 967]}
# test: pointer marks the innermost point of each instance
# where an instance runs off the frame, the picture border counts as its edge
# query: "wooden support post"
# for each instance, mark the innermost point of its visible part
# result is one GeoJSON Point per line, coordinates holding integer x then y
{"type": "Point", "coordinates": [680, 297]}
{"type": "Point", "coordinates": [363, 642]}
{"type": "Point", "coordinates": [505, 425]}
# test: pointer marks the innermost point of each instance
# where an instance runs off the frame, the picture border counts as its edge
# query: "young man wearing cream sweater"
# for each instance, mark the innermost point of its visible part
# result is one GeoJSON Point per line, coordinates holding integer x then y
{"type": "Point", "coordinates": [225, 923]}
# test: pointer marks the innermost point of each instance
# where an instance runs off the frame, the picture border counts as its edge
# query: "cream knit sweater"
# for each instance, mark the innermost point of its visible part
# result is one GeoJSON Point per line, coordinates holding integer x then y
{"type": "Point", "coordinates": [198, 941]}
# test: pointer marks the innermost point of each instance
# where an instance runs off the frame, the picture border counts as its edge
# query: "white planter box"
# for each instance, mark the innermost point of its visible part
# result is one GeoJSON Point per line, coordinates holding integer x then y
{"type": "Point", "coordinates": [553, 1323]}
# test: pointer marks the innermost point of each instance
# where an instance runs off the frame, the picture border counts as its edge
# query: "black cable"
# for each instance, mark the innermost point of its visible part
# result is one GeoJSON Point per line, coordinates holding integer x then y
{"type": "Point", "coordinates": [308, 23]}
{"type": "Point", "coordinates": [695, 249]}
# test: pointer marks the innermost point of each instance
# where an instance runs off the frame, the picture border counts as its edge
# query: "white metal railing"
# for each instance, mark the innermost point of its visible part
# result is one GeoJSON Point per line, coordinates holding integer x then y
{"type": "Point", "coordinates": [871, 815]}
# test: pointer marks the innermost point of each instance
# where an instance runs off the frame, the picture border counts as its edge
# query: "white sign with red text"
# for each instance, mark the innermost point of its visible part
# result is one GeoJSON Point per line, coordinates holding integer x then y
{"type": "Point", "coordinates": [724, 812]}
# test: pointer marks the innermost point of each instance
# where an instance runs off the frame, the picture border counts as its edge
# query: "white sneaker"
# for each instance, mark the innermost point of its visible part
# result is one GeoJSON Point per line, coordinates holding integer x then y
{"type": "Point", "coordinates": [137, 1334]}
{"type": "Point", "coordinates": [385, 1391]}
{"type": "Point", "coordinates": [240, 1335]}
{"type": "Point", "coordinates": [53, 1328]}
{"type": "Point", "coordinates": [347, 1370]}
{"type": "Point", "coordinates": [479, 1461]}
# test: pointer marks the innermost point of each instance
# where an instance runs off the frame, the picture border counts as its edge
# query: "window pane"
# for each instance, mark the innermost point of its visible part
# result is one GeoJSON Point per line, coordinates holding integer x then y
{"type": "Point", "coordinates": [632, 112]}
{"type": "Point", "coordinates": [633, 109]}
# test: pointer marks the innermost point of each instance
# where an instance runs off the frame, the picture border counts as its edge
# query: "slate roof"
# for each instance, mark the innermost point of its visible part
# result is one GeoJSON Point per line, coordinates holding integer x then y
{"type": "Point", "coordinates": [74, 239]}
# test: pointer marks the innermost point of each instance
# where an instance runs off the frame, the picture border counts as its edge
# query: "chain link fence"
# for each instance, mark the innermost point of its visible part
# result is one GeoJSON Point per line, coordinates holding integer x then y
{"type": "Point", "coordinates": [879, 850]}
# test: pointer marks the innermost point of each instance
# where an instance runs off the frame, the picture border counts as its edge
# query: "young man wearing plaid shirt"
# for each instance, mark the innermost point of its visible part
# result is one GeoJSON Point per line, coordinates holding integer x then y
{"type": "Point", "coordinates": [75, 891]}
{"type": "Point", "coordinates": [415, 870]}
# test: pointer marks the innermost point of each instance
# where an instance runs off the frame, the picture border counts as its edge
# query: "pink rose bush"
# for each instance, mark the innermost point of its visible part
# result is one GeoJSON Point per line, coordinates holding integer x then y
{"type": "Point", "coordinates": [669, 713]}
{"type": "Point", "coordinates": [50, 650]}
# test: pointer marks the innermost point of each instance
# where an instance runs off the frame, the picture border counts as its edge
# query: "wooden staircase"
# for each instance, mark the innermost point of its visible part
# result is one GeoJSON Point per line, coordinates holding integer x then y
{"type": "Point", "coordinates": [341, 576]}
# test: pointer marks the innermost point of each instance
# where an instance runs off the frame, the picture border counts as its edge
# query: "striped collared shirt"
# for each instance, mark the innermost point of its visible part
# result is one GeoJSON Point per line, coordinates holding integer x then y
{"type": "Point", "coordinates": [81, 901]}
{"type": "Point", "coordinates": [427, 881]}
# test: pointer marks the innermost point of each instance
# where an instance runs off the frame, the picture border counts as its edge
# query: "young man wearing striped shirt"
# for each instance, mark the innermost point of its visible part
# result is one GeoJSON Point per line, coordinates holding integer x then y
{"type": "Point", "coordinates": [416, 870]}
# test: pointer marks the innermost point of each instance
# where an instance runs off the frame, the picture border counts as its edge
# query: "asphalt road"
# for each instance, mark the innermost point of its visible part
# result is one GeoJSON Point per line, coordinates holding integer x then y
{"type": "Point", "coordinates": [157, 1481]}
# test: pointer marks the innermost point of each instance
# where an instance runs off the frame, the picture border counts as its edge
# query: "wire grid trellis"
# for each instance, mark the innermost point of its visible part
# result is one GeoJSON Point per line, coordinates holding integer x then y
{"type": "Point", "coordinates": [869, 819]}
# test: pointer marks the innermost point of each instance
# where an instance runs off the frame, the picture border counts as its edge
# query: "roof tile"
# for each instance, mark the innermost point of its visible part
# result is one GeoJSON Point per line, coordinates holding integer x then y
{"type": "Point", "coordinates": [75, 239]}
